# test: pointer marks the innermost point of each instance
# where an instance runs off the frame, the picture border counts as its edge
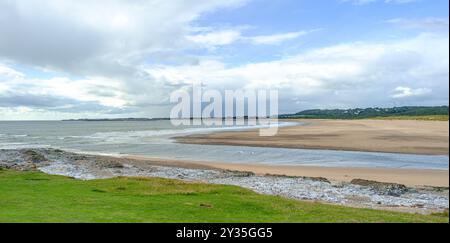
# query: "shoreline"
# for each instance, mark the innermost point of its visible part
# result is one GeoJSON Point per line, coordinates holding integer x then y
{"type": "Point", "coordinates": [409, 177]}
{"type": "Point", "coordinates": [192, 139]}
{"type": "Point", "coordinates": [385, 136]}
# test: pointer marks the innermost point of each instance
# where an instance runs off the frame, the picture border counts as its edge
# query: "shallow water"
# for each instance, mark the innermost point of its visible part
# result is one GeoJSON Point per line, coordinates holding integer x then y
{"type": "Point", "coordinates": [153, 138]}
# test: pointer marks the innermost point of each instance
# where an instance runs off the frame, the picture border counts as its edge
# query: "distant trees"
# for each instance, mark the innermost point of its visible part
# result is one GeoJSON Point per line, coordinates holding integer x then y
{"type": "Point", "coordinates": [359, 113]}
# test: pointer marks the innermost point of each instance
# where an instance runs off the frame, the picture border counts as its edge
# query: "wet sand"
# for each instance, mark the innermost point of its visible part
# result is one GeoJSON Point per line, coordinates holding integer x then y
{"type": "Point", "coordinates": [409, 177]}
{"type": "Point", "coordinates": [394, 136]}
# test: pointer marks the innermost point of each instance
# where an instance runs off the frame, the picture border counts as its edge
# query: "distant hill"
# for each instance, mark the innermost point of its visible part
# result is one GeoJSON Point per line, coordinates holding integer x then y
{"type": "Point", "coordinates": [370, 112]}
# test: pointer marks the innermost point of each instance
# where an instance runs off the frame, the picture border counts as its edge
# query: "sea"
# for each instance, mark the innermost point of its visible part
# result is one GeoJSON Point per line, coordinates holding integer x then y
{"type": "Point", "coordinates": [156, 139]}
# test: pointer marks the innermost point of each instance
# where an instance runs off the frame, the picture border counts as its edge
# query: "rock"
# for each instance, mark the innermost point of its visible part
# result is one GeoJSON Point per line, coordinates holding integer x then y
{"type": "Point", "coordinates": [34, 156]}
{"type": "Point", "coordinates": [321, 179]}
{"type": "Point", "coordinates": [77, 157]}
{"type": "Point", "coordinates": [102, 163]}
{"type": "Point", "coordinates": [440, 189]}
{"type": "Point", "coordinates": [240, 173]}
{"type": "Point", "coordinates": [282, 176]}
{"type": "Point", "coordinates": [383, 188]}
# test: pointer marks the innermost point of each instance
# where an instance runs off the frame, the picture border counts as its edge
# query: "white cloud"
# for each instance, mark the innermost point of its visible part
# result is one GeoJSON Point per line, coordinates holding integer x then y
{"type": "Point", "coordinates": [16, 87]}
{"type": "Point", "coordinates": [277, 38]}
{"type": "Point", "coordinates": [9, 73]}
{"type": "Point", "coordinates": [111, 35]}
{"type": "Point", "coordinates": [405, 92]}
{"type": "Point", "coordinates": [430, 23]}
{"type": "Point", "coordinates": [347, 75]}
{"type": "Point", "coordinates": [102, 43]}
{"type": "Point", "coordinates": [216, 38]}
{"type": "Point", "coordinates": [106, 55]}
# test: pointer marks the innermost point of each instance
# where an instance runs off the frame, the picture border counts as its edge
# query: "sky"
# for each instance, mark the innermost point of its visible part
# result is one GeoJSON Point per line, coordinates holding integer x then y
{"type": "Point", "coordinates": [123, 58]}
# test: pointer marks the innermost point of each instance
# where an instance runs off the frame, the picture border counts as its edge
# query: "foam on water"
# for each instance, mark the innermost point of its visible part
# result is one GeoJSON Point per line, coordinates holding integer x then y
{"type": "Point", "coordinates": [143, 136]}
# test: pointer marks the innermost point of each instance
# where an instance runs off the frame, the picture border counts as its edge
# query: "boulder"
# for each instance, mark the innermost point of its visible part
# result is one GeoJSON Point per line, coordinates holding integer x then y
{"type": "Point", "coordinates": [383, 188]}
{"type": "Point", "coordinates": [34, 156]}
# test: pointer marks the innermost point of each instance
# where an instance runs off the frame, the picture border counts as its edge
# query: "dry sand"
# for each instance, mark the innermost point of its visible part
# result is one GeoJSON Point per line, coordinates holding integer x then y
{"type": "Point", "coordinates": [396, 136]}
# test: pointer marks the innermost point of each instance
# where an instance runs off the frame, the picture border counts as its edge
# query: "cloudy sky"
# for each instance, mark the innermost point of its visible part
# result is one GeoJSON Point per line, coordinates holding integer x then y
{"type": "Point", "coordinates": [123, 58]}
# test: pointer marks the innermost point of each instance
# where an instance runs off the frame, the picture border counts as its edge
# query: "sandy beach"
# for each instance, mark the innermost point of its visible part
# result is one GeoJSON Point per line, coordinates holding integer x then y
{"type": "Point", "coordinates": [395, 136]}
{"type": "Point", "coordinates": [402, 136]}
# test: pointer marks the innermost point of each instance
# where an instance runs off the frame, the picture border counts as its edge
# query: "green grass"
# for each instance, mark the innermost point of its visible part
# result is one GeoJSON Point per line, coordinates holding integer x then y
{"type": "Point", "coordinates": [417, 118]}
{"type": "Point", "coordinates": [37, 197]}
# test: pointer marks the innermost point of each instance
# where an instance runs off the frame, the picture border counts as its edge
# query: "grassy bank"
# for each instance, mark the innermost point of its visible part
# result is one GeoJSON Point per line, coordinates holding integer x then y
{"type": "Point", "coordinates": [37, 197]}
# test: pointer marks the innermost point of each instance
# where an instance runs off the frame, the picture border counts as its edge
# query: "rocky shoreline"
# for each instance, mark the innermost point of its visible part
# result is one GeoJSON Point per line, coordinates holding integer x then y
{"type": "Point", "coordinates": [358, 193]}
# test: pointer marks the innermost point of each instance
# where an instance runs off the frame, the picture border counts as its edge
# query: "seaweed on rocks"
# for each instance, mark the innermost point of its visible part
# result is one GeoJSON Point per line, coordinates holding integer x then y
{"type": "Point", "coordinates": [383, 188]}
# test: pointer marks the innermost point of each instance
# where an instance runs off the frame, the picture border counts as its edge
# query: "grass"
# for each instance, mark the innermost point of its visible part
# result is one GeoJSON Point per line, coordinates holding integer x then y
{"type": "Point", "coordinates": [416, 118]}
{"type": "Point", "coordinates": [38, 197]}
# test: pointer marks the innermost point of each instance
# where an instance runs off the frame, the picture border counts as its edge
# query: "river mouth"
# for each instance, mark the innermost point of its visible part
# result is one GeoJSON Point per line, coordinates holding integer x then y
{"type": "Point", "coordinates": [304, 157]}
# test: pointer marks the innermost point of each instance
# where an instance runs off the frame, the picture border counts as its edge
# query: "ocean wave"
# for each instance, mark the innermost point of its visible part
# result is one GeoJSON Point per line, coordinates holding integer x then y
{"type": "Point", "coordinates": [22, 146]}
{"type": "Point", "coordinates": [14, 135]}
{"type": "Point", "coordinates": [78, 151]}
{"type": "Point", "coordinates": [138, 137]}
